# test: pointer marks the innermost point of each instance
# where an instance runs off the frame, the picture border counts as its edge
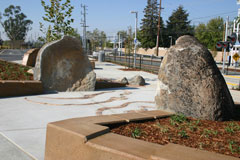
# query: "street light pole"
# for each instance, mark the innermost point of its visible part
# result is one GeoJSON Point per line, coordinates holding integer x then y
{"type": "Point", "coordinates": [119, 44]}
{"type": "Point", "coordinates": [135, 39]}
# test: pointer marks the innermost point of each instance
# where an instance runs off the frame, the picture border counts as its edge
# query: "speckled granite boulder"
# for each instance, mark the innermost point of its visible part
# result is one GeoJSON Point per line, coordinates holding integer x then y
{"type": "Point", "coordinates": [190, 83]}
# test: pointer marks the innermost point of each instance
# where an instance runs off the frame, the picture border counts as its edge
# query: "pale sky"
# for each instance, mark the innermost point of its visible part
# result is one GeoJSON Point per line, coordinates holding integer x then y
{"type": "Point", "coordinates": [114, 15]}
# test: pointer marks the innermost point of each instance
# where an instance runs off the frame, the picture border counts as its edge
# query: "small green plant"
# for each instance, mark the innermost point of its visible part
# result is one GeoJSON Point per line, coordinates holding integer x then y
{"type": "Point", "coordinates": [192, 128]}
{"type": "Point", "coordinates": [207, 133]}
{"type": "Point", "coordinates": [234, 147]}
{"type": "Point", "coordinates": [162, 128]}
{"type": "Point", "coordinates": [215, 132]}
{"type": "Point", "coordinates": [183, 134]}
{"type": "Point", "coordinates": [232, 128]}
{"type": "Point", "coordinates": [229, 130]}
{"type": "Point", "coordinates": [193, 125]}
{"type": "Point", "coordinates": [172, 122]}
{"type": "Point", "coordinates": [179, 118]}
{"type": "Point", "coordinates": [136, 133]}
{"type": "Point", "coordinates": [197, 122]}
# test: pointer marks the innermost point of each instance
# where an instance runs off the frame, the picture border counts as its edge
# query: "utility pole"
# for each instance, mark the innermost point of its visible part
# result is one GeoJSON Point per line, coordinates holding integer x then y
{"type": "Point", "coordinates": [224, 32]}
{"type": "Point", "coordinates": [159, 25]}
{"type": "Point", "coordinates": [84, 25]}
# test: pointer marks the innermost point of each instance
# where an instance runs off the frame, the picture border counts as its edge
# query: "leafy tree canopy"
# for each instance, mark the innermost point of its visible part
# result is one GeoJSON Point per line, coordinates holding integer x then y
{"type": "Point", "coordinates": [58, 14]}
{"type": "Point", "coordinates": [123, 37]}
{"type": "Point", "coordinates": [97, 38]}
{"type": "Point", "coordinates": [211, 33]}
{"type": "Point", "coordinates": [178, 24]}
{"type": "Point", "coordinates": [16, 24]}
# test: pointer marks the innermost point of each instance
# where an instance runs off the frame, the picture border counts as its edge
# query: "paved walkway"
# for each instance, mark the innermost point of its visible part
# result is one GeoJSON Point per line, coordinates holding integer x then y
{"type": "Point", "coordinates": [24, 119]}
{"type": "Point", "coordinates": [10, 151]}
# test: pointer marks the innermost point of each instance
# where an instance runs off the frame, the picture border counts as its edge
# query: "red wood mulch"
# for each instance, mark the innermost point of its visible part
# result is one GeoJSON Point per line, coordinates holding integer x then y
{"type": "Point", "coordinates": [220, 137]}
{"type": "Point", "coordinates": [11, 71]}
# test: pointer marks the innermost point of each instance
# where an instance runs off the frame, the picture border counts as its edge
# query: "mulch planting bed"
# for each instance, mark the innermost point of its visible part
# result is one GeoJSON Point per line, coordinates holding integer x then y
{"type": "Point", "coordinates": [220, 137]}
{"type": "Point", "coordinates": [106, 83]}
{"type": "Point", "coordinates": [12, 71]}
{"type": "Point", "coordinates": [129, 69]}
{"type": "Point", "coordinates": [134, 69]}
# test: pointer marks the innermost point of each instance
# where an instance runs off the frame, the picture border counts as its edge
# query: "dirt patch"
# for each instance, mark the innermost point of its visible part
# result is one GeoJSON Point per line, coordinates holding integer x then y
{"type": "Point", "coordinates": [220, 137]}
{"type": "Point", "coordinates": [13, 71]}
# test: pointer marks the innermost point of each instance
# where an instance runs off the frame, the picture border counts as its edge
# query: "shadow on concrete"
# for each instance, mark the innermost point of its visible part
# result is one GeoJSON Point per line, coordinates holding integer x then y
{"type": "Point", "coordinates": [109, 64]}
{"type": "Point", "coordinates": [238, 112]}
{"type": "Point", "coordinates": [119, 88]}
{"type": "Point", "coordinates": [32, 95]}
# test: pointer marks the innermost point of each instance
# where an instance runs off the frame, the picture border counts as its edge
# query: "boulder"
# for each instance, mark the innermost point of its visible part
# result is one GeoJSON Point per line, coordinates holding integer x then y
{"type": "Point", "coordinates": [137, 80]}
{"type": "Point", "coordinates": [191, 83]}
{"type": "Point", "coordinates": [29, 58]}
{"type": "Point", "coordinates": [124, 80]}
{"type": "Point", "coordinates": [62, 66]}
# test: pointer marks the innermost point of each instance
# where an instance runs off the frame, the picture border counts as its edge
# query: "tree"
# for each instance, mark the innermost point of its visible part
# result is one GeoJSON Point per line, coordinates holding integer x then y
{"type": "Point", "coordinates": [149, 26]}
{"type": "Point", "coordinates": [129, 41]}
{"type": "Point", "coordinates": [97, 38]}
{"type": "Point", "coordinates": [178, 24]}
{"type": "Point", "coordinates": [201, 34]}
{"type": "Point", "coordinates": [109, 44]}
{"type": "Point", "coordinates": [16, 24]}
{"type": "Point", "coordinates": [58, 14]}
{"type": "Point", "coordinates": [211, 33]}
{"type": "Point", "coordinates": [123, 37]}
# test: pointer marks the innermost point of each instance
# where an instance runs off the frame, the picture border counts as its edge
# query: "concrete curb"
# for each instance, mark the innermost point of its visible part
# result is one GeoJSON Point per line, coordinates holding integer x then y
{"type": "Point", "coordinates": [88, 138]}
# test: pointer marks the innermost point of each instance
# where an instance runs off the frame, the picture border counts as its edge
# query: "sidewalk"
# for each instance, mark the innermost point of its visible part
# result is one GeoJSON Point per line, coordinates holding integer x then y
{"type": "Point", "coordinates": [10, 151]}
{"type": "Point", "coordinates": [24, 119]}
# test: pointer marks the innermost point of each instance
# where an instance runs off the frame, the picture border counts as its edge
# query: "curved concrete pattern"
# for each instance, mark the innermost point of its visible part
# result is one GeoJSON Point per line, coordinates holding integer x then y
{"type": "Point", "coordinates": [84, 97]}
{"type": "Point", "coordinates": [111, 99]}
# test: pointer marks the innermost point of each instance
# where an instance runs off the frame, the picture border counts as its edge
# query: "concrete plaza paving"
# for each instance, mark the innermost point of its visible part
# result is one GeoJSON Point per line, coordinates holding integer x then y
{"type": "Point", "coordinates": [24, 119]}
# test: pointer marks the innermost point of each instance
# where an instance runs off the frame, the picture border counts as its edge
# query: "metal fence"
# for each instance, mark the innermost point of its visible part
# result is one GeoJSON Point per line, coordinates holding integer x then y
{"type": "Point", "coordinates": [143, 62]}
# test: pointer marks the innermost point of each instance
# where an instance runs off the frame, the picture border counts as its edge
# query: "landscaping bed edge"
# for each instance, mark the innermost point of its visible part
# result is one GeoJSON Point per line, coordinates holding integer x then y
{"type": "Point", "coordinates": [74, 138]}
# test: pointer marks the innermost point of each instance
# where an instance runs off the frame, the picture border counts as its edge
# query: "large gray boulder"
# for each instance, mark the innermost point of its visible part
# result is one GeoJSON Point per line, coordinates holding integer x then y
{"type": "Point", "coordinates": [191, 83]}
{"type": "Point", "coordinates": [62, 66]}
